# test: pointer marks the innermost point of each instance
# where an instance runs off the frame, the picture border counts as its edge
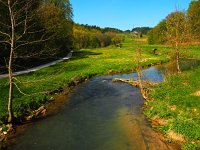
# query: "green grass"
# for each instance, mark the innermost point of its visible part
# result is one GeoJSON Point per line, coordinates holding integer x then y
{"type": "Point", "coordinates": [84, 64]}
{"type": "Point", "coordinates": [174, 101]}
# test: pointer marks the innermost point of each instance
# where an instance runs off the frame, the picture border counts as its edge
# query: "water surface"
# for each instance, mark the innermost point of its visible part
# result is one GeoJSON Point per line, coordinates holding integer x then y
{"type": "Point", "coordinates": [100, 115]}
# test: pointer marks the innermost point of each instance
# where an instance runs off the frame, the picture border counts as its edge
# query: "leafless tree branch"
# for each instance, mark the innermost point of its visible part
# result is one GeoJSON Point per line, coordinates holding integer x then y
{"type": "Point", "coordinates": [34, 42]}
{"type": "Point", "coordinates": [5, 24]}
{"type": "Point", "coordinates": [3, 3]}
{"type": "Point", "coordinates": [26, 93]}
{"type": "Point", "coordinates": [5, 42]}
{"type": "Point", "coordinates": [6, 34]}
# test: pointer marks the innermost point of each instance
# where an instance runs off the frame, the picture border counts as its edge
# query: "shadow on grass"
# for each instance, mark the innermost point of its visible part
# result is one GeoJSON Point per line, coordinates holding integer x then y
{"type": "Point", "coordinates": [58, 68]}
{"type": "Point", "coordinates": [80, 54]}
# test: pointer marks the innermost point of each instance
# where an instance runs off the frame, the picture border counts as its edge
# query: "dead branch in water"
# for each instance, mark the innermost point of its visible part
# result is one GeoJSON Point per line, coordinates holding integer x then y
{"type": "Point", "coordinates": [137, 83]}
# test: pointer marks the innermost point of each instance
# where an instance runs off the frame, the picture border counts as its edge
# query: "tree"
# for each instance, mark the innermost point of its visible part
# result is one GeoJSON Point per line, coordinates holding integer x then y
{"type": "Point", "coordinates": [157, 35]}
{"type": "Point", "coordinates": [59, 22]}
{"type": "Point", "coordinates": [194, 19]}
{"type": "Point", "coordinates": [17, 22]}
{"type": "Point", "coordinates": [177, 32]}
{"type": "Point", "coordinates": [22, 32]}
{"type": "Point", "coordinates": [117, 40]}
{"type": "Point", "coordinates": [85, 36]}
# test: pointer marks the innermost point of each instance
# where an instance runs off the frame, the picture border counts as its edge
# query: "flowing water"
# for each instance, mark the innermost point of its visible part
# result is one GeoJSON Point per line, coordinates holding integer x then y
{"type": "Point", "coordinates": [99, 115]}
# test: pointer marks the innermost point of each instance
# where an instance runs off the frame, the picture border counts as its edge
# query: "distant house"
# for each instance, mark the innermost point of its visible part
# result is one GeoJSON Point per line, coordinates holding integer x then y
{"type": "Point", "coordinates": [136, 34]}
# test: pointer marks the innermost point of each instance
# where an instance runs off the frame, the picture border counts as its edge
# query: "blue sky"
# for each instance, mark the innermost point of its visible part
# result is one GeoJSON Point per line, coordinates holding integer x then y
{"type": "Point", "coordinates": [124, 14]}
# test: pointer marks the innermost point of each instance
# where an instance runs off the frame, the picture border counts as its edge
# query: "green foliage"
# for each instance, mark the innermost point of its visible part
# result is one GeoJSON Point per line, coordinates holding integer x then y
{"type": "Point", "coordinates": [142, 30]}
{"type": "Point", "coordinates": [178, 31]}
{"type": "Point", "coordinates": [117, 40]}
{"type": "Point", "coordinates": [178, 27]}
{"type": "Point", "coordinates": [194, 19]}
{"type": "Point", "coordinates": [164, 129]}
{"type": "Point", "coordinates": [151, 39]}
{"type": "Point", "coordinates": [158, 34]}
{"type": "Point", "coordinates": [190, 146]}
{"type": "Point", "coordinates": [188, 128]}
{"type": "Point", "coordinates": [4, 128]}
{"type": "Point", "coordinates": [85, 36]}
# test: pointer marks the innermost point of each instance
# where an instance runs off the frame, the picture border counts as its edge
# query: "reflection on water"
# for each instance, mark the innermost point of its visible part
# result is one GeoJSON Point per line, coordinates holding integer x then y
{"type": "Point", "coordinates": [170, 68]}
{"type": "Point", "coordinates": [100, 115]}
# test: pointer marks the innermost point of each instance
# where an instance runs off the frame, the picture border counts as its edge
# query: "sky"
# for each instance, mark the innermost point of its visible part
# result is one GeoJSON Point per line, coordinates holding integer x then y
{"type": "Point", "coordinates": [124, 14]}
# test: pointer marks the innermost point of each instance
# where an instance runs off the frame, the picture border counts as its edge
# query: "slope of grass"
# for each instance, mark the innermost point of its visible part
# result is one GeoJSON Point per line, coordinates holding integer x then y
{"type": "Point", "coordinates": [175, 106]}
{"type": "Point", "coordinates": [84, 64]}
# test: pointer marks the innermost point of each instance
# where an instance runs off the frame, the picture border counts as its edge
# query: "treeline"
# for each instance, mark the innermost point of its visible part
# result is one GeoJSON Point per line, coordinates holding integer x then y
{"type": "Point", "coordinates": [179, 27]}
{"type": "Point", "coordinates": [140, 30]}
{"type": "Point", "coordinates": [107, 29]}
{"type": "Point", "coordinates": [85, 36]}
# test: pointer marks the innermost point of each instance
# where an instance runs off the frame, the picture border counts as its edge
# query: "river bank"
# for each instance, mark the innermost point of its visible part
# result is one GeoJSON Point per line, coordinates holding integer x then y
{"type": "Point", "coordinates": [174, 108]}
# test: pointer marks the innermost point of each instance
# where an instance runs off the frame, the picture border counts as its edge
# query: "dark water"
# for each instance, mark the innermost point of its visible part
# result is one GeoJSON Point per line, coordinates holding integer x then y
{"type": "Point", "coordinates": [100, 115]}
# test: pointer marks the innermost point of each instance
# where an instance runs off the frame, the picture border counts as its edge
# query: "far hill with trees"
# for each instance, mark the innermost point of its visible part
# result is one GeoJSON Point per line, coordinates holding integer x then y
{"type": "Point", "coordinates": [86, 36]}
{"type": "Point", "coordinates": [141, 30]}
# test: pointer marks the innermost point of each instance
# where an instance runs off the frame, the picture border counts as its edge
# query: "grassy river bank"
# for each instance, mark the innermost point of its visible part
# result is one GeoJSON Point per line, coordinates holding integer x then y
{"type": "Point", "coordinates": [174, 108]}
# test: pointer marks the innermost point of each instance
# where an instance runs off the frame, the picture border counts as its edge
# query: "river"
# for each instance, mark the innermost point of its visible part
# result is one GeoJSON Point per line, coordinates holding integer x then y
{"type": "Point", "coordinates": [98, 115]}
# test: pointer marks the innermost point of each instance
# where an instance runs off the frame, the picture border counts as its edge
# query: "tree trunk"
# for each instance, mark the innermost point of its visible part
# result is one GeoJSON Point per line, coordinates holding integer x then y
{"type": "Point", "coordinates": [12, 44]}
{"type": "Point", "coordinates": [139, 72]}
{"type": "Point", "coordinates": [10, 111]}
{"type": "Point", "coordinates": [177, 61]}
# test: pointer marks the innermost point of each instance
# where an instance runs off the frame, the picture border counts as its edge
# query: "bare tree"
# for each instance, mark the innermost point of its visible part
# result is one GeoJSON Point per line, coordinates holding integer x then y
{"type": "Point", "coordinates": [18, 32]}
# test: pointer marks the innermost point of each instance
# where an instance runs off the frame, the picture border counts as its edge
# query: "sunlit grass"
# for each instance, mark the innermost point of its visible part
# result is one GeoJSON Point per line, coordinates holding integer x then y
{"type": "Point", "coordinates": [177, 101]}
